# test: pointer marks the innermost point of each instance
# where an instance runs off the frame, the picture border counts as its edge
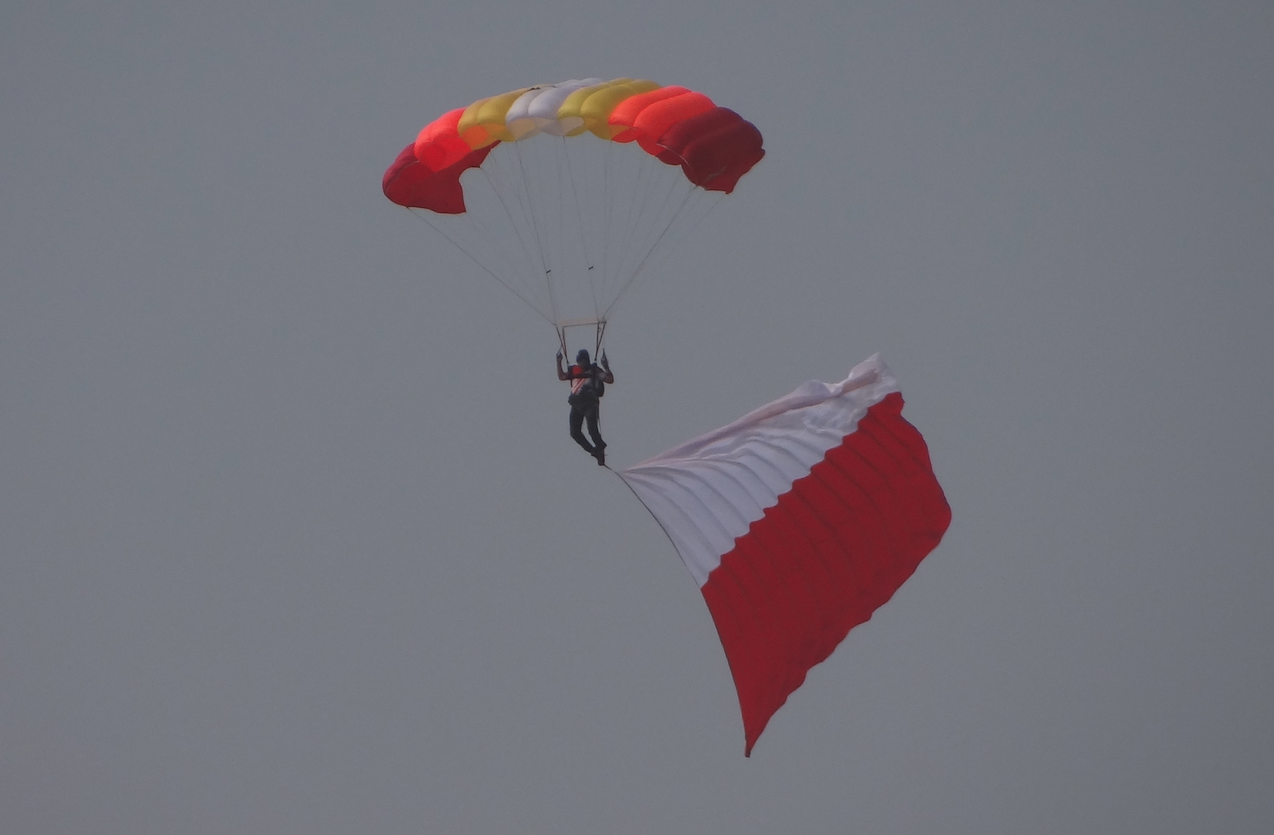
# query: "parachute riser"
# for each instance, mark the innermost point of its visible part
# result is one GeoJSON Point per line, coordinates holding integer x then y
{"type": "Point", "coordinates": [599, 332]}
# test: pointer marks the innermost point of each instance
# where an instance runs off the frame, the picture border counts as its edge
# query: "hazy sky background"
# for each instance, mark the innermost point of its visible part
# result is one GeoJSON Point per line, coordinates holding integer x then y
{"type": "Point", "coordinates": [292, 537]}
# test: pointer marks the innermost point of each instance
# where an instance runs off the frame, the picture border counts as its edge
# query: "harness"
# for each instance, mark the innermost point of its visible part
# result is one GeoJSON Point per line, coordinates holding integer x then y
{"type": "Point", "coordinates": [586, 384]}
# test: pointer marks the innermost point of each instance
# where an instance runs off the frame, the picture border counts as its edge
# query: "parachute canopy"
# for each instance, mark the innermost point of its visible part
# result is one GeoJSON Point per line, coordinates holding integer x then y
{"type": "Point", "coordinates": [798, 521]}
{"type": "Point", "coordinates": [564, 192]}
{"type": "Point", "coordinates": [714, 146]}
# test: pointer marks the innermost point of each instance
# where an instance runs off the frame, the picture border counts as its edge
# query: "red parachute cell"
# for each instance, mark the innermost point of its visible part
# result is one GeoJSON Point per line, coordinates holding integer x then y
{"type": "Point", "coordinates": [439, 145]}
{"type": "Point", "coordinates": [653, 121]}
{"type": "Point", "coordinates": [411, 183]}
{"type": "Point", "coordinates": [625, 115]}
{"type": "Point", "coordinates": [715, 148]}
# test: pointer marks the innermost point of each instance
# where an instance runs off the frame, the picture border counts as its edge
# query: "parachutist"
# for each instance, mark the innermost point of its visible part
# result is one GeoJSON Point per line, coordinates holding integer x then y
{"type": "Point", "coordinates": [588, 383]}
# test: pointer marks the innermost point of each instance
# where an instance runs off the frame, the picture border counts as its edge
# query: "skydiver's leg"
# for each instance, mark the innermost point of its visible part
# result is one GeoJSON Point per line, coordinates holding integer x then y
{"type": "Point", "coordinates": [577, 429]}
{"type": "Point", "coordinates": [594, 414]}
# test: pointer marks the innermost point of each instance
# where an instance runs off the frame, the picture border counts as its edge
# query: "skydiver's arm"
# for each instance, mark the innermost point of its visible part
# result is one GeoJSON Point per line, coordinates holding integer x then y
{"type": "Point", "coordinates": [561, 375]}
{"type": "Point", "coordinates": [609, 378]}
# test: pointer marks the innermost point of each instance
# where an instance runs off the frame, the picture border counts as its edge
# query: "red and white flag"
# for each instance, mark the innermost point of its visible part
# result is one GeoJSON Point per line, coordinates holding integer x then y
{"type": "Point", "coordinates": [798, 520]}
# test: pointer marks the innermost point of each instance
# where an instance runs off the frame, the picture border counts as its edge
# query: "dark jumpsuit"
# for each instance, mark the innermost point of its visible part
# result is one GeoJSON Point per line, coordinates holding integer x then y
{"type": "Point", "coordinates": [586, 390]}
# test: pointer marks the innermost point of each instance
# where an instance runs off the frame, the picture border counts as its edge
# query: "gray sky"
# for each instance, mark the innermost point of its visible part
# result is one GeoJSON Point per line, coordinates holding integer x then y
{"type": "Point", "coordinates": [292, 538]}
